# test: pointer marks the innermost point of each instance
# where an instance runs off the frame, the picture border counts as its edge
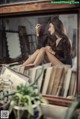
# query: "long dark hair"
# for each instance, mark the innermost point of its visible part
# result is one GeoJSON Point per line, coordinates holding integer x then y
{"type": "Point", "coordinates": [59, 31]}
{"type": "Point", "coordinates": [58, 25]}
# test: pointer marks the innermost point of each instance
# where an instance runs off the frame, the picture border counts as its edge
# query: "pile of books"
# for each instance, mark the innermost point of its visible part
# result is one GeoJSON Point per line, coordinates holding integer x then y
{"type": "Point", "coordinates": [59, 80]}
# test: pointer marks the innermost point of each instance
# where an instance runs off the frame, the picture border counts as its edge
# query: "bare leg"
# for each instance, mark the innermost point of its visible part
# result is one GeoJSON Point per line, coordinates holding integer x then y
{"type": "Point", "coordinates": [32, 58]}
{"type": "Point", "coordinates": [40, 56]}
{"type": "Point", "coordinates": [53, 59]}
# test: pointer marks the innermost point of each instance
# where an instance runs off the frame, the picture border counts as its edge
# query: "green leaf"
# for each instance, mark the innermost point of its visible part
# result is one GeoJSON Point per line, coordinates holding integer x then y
{"type": "Point", "coordinates": [43, 100]}
{"type": "Point", "coordinates": [29, 106]}
{"type": "Point", "coordinates": [37, 103]}
{"type": "Point", "coordinates": [19, 95]}
{"type": "Point", "coordinates": [12, 104]}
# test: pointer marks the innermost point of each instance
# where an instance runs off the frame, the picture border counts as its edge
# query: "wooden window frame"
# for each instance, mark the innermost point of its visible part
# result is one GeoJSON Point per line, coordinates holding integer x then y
{"type": "Point", "coordinates": [36, 8]}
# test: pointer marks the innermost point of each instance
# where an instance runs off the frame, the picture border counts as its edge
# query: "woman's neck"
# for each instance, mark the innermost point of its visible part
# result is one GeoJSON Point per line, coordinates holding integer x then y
{"type": "Point", "coordinates": [58, 37]}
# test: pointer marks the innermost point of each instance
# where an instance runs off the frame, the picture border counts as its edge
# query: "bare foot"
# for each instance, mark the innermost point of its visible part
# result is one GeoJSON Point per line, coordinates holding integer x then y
{"type": "Point", "coordinates": [29, 66]}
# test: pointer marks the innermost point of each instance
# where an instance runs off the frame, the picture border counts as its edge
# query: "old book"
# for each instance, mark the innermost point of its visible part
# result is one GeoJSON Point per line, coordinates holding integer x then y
{"type": "Point", "coordinates": [41, 71]}
{"type": "Point", "coordinates": [59, 71]}
{"type": "Point", "coordinates": [32, 74]}
{"type": "Point", "coordinates": [66, 67]}
{"type": "Point", "coordinates": [46, 80]}
{"type": "Point", "coordinates": [36, 73]}
{"type": "Point", "coordinates": [14, 77]}
{"type": "Point", "coordinates": [46, 65]}
{"type": "Point", "coordinates": [52, 78]}
{"type": "Point", "coordinates": [39, 76]}
{"type": "Point", "coordinates": [61, 82]}
{"type": "Point", "coordinates": [67, 81]}
{"type": "Point", "coordinates": [72, 87]}
{"type": "Point", "coordinates": [18, 68]}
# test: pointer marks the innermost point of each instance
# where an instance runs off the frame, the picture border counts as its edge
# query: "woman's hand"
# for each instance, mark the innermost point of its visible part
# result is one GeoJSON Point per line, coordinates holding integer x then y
{"type": "Point", "coordinates": [38, 28]}
{"type": "Point", "coordinates": [49, 49]}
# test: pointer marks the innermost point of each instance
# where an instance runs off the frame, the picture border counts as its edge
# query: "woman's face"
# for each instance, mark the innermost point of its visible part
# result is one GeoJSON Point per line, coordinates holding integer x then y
{"type": "Point", "coordinates": [51, 28]}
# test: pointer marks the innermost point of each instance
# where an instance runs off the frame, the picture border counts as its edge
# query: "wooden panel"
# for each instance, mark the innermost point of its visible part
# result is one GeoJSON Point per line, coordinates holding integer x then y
{"type": "Point", "coordinates": [78, 83]}
{"type": "Point", "coordinates": [30, 7]}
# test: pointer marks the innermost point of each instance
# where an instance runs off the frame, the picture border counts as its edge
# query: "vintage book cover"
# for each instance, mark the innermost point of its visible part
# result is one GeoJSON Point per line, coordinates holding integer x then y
{"type": "Point", "coordinates": [72, 87]}
{"type": "Point", "coordinates": [67, 81]}
{"type": "Point", "coordinates": [61, 83]}
{"type": "Point", "coordinates": [47, 80]}
{"type": "Point", "coordinates": [14, 77]}
{"type": "Point", "coordinates": [59, 71]}
{"type": "Point", "coordinates": [52, 78]}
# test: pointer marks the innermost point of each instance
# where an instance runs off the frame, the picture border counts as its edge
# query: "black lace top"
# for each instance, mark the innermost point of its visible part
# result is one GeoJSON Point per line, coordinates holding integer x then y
{"type": "Point", "coordinates": [62, 50]}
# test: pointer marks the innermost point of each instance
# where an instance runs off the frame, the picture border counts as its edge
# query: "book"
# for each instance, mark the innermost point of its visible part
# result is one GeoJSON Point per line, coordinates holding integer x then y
{"type": "Point", "coordinates": [61, 82]}
{"type": "Point", "coordinates": [13, 76]}
{"type": "Point", "coordinates": [39, 75]}
{"type": "Point", "coordinates": [67, 82]}
{"type": "Point", "coordinates": [72, 87]}
{"type": "Point", "coordinates": [52, 78]}
{"type": "Point", "coordinates": [17, 68]}
{"type": "Point", "coordinates": [34, 73]}
{"type": "Point", "coordinates": [58, 73]}
{"type": "Point", "coordinates": [46, 65]}
{"type": "Point", "coordinates": [46, 80]}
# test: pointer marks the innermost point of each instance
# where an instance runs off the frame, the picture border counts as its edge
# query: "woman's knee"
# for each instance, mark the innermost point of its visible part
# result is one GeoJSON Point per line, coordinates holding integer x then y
{"type": "Point", "coordinates": [37, 51]}
{"type": "Point", "coordinates": [48, 48]}
{"type": "Point", "coordinates": [42, 49]}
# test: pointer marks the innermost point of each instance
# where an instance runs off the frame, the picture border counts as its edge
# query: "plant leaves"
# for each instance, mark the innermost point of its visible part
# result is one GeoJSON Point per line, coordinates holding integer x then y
{"type": "Point", "coordinates": [43, 100]}
{"type": "Point", "coordinates": [29, 106]}
{"type": "Point", "coordinates": [12, 105]}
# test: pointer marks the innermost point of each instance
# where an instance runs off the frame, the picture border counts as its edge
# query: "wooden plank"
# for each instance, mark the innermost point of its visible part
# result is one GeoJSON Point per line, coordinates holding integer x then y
{"type": "Point", "coordinates": [58, 100]}
{"type": "Point", "coordinates": [30, 7]}
{"type": "Point", "coordinates": [78, 45]}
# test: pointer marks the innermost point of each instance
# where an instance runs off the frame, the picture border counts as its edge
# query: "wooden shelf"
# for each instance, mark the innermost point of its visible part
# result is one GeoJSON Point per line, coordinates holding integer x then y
{"type": "Point", "coordinates": [33, 7]}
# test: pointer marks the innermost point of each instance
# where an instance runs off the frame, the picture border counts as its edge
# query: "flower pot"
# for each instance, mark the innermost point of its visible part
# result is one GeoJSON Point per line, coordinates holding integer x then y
{"type": "Point", "coordinates": [54, 111]}
{"type": "Point", "coordinates": [23, 113]}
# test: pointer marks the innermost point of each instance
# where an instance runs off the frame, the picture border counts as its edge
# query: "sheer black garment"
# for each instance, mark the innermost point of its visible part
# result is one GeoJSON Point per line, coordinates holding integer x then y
{"type": "Point", "coordinates": [62, 50]}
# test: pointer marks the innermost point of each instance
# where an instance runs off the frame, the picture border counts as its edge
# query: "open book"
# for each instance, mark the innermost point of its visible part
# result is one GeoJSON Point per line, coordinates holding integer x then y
{"type": "Point", "coordinates": [15, 77]}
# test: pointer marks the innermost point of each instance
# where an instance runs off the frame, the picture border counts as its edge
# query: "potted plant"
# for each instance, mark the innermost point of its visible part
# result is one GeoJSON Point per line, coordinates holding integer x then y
{"type": "Point", "coordinates": [25, 102]}
{"type": "Point", "coordinates": [5, 90]}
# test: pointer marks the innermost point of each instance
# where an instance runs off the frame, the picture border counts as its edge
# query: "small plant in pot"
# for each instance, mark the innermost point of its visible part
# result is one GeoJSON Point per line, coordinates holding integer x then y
{"type": "Point", "coordinates": [26, 101]}
{"type": "Point", "coordinates": [5, 90]}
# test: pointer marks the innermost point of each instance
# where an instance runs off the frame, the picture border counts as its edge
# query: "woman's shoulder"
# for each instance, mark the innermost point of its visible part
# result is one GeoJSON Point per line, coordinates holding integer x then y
{"type": "Point", "coordinates": [65, 39]}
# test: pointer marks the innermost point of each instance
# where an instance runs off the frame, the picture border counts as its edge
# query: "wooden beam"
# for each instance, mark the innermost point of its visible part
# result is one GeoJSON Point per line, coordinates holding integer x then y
{"type": "Point", "coordinates": [58, 100]}
{"type": "Point", "coordinates": [32, 7]}
{"type": "Point", "coordinates": [78, 46]}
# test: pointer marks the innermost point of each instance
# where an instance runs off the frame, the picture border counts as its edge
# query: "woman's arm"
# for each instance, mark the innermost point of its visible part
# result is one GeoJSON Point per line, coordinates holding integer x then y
{"type": "Point", "coordinates": [38, 29]}
{"type": "Point", "coordinates": [49, 49]}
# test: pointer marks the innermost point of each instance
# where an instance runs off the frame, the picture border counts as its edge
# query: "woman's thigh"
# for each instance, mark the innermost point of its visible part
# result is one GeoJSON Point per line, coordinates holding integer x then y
{"type": "Point", "coordinates": [53, 59]}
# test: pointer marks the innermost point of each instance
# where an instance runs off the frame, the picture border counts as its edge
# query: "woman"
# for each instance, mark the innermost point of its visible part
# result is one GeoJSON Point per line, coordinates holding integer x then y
{"type": "Point", "coordinates": [56, 47]}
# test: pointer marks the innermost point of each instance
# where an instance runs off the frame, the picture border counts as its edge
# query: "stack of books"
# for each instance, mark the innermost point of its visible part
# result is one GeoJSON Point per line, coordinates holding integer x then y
{"type": "Point", "coordinates": [57, 80]}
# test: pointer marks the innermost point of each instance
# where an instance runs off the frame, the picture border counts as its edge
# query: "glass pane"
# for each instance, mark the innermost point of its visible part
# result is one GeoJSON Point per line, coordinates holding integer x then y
{"type": "Point", "coordinates": [57, 31]}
